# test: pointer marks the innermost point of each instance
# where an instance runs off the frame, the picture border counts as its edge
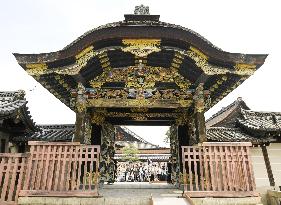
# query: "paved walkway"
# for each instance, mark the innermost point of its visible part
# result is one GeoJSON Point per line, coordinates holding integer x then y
{"type": "Point", "coordinates": [141, 193]}
{"type": "Point", "coordinates": [140, 189]}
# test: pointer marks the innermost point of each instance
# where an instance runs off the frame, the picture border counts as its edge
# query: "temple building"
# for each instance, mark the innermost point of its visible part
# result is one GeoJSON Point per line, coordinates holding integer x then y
{"type": "Point", "coordinates": [15, 121]}
{"type": "Point", "coordinates": [238, 123]}
{"type": "Point", "coordinates": [142, 71]}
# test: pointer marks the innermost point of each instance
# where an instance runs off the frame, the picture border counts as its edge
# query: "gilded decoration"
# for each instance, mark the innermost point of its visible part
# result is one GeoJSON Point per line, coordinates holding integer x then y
{"type": "Point", "coordinates": [218, 83]}
{"type": "Point", "coordinates": [84, 56]}
{"type": "Point", "coordinates": [80, 99]}
{"type": "Point", "coordinates": [141, 47]}
{"type": "Point", "coordinates": [199, 98]}
{"type": "Point", "coordinates": [146, 115]}
{"type": "Point", "coordinates": [201, 61]}
{"type": "Point", "coordinates": [98, 118]}
{"type": "Point", "coordinates": [245, 68]}
{"type": "Point", "coordinates": [88, 130]}
{"type": "Point", "coordinates": [182, 119]}
{"type": "Point", "coordinates": [131, 103]}
{"type": "Point", "coordinates": [62, 82]}
{"type": "Point", "coordinates": [139, 109]}
{"type": "Point", "coordinates": [36, 69]}
{"type": "Point", "coordinates": [140, 82]}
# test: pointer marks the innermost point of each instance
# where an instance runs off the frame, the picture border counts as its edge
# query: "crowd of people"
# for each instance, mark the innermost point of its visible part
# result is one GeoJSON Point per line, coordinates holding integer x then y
{"type": "Point", "coordinates": [143, 171]}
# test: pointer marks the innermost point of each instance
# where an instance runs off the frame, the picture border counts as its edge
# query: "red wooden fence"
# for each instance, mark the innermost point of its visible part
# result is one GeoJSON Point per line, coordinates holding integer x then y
{"type": "Point", "coordinates": [61, 169]}
{"type": "Point", "coordinates": [218, 169]}
{"type": "Point", "coordinates": [12, 168]}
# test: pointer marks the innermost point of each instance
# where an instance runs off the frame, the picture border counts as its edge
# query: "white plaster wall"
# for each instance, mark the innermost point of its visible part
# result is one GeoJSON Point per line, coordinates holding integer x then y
{"type": "Point", "coordinates": [274, 154]}
{"type": "Point", "coordinates": [259, 167]}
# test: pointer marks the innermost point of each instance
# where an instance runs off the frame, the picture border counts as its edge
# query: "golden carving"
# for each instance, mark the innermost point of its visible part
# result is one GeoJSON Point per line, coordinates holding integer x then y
{"type": "Point", "coordinates": [84, 56]}
{"type": "Point", "coordinates": [182, 119]}
{"type": "Point", "coordinates": [139, 109]}
{"type": "Point", "coordinates": [141, 47]}
{"type": "Point", "coordinates": [96, 84]}
{"type": "Point", "coordinates": [140, 118]}
{"type": "Point", "coordinates": [97, 118]}
{"type": "Point", "coordinates": [36, 69]}
{"type": "Point", "coordinates": [199, 98]}
{"type": "Point", "coordinates": [185, 103]}
{"type": "Point", "coordinates": [245, 69]}
{"type": "Point", "coordinates": [80, 99]}
{"type": "Point", "coordinates": [201, 61]}
{"type": "Point", "coordinates": [104, 60]}
{"type": "Point", "coordinates": [62, 82]}
{"type": "Point", "coordinates": [218, 83]}
{"type": "Point", "coordinates": [141, 77]}
{"type": "Point", "coordinates": [195, 50]}
{"type": "Point", "coordinates": [146, 115]}
{"type": "Point", "coordinates": [138, 103]}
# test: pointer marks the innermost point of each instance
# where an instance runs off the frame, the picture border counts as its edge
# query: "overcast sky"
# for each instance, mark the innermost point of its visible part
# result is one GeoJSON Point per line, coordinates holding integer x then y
{"type": "Point", "coordinates": [239, 26]}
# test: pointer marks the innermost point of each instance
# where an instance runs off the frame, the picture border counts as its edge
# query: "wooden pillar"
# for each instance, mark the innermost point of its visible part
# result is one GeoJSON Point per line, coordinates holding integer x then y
{"type": "Point", "coordinates": [183, 139]}
{"type": "Point", "coordinates": [174, 147]}
{"type": "Point", "coordinates": [268, 165]}
{"type": "Point", "coordinates": [199, 107]}
{"type": "Point", "coordinates": [96, 134]}
{"type": "Point", "coordinates": [192, 131]}
{"type": "Point", "coordinates": [80, 114]}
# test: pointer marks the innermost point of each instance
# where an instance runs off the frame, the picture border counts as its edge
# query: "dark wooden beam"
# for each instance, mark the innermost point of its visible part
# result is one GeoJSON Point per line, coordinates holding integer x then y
{"type": "Point", "coordinates": [268, 165]}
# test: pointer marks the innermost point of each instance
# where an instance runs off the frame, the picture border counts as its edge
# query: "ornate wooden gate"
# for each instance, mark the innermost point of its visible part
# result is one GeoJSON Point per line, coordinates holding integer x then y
{"type": "Point", "coordinates": [61, 169]}
{"type": "Point", "coordinates": [218, 169]}
{"type": "Point", "coordinates": [12, 168]}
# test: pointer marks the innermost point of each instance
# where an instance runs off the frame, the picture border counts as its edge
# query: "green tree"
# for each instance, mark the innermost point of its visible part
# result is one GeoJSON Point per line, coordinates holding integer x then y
{"type": "Point", "coordinates": [130, 153]}
{"type": "Point", "coordinates": [167, 137]}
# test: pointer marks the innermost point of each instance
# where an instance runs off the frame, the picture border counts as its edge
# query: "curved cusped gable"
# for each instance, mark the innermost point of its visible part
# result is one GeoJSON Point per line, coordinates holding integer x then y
{"type": "Point", "coordinates": [145, 39]}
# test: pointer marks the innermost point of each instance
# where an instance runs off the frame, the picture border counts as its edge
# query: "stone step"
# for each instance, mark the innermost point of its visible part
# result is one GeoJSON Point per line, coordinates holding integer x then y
{"type": "Point", "coordinates": [138, 185]}
{"type": "Point", "coordinates": [169, 201]}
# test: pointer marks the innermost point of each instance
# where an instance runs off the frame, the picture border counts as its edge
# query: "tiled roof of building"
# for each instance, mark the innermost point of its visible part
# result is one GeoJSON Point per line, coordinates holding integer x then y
{"type": "Point", "coordinates": [65, 132]}
{"type": "Point", "coordinates": [62, 132]}
{"type": "Point", "coordinates": [262, 121]}
{"type": "Point", "coordinates": [237, 122]}
{"type": "Point", "coordinates": [222, 134]}
{"type": "Point", "coordinates": [13, 106]}
{"type": "Point", "coordinates": [54, 133]}
{"type": "Point", "coordinates": [226, 117]}
{"type": "Point", "coordinates": [130, 136]}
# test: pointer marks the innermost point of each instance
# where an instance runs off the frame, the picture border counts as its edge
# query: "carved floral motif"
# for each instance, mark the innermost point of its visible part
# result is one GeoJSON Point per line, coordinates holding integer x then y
{"type": "Point", "coordinates": [141, 47]}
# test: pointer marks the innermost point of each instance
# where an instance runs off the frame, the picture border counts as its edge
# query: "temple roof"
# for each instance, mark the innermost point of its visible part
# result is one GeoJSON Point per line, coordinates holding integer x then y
{"type": "Point", "coordinates": [238, 121]}
{"type": "Point", "coordinates": [14, 114]}
{"type": "Point", "coordinates": [126, 136]}
{"type": "Point", "coordinates": [140, 38]}
{"type": "Point", "coordinates": [260, 121]}
{"type": "Point", "coordinates": [227, 116]}
{"type": "Point", "coordinates": [65, 132]}
{"type": "Point", "coordinates": [53, 133]}
{"type": "Point", "coordinates": [222, 134]}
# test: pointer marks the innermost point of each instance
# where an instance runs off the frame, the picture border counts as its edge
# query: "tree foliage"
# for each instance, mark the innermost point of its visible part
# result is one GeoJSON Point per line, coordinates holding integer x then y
{"type": "Point", "coordinates": [130, 153]}
{"type": "Point", "coordinates": [167, 137]}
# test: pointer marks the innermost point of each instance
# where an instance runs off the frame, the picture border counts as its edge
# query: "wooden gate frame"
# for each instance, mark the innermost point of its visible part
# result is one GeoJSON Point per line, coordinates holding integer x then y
{"type": "Point", "coordinates": [12, 166]}
{"type": "Point", "coordinates": [48, 159]}
{"type": "Point", "coordinates": [215, 173]}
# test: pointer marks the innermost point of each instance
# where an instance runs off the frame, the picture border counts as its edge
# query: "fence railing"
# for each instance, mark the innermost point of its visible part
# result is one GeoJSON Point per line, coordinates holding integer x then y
{"type": "Point", "coordinates": [61, 169]}
{"type": "Point", "coordinates": [218, 169]}
{"type": "Point", "coordinates": [12, 167]}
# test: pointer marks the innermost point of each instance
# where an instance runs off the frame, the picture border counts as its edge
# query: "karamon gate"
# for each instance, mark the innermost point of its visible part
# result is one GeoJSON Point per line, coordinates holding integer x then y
{"type": "Point", "coordinates": [141, 71]}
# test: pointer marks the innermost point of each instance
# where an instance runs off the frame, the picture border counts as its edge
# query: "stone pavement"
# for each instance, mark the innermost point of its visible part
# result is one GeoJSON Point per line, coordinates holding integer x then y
{"type": "Point", "coordinates": [140, 189]}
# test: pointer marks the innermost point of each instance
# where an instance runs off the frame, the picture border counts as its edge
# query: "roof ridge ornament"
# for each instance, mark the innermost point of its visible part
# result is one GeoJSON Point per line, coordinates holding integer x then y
{"type": "Point", "coordinates": [141, 10]}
